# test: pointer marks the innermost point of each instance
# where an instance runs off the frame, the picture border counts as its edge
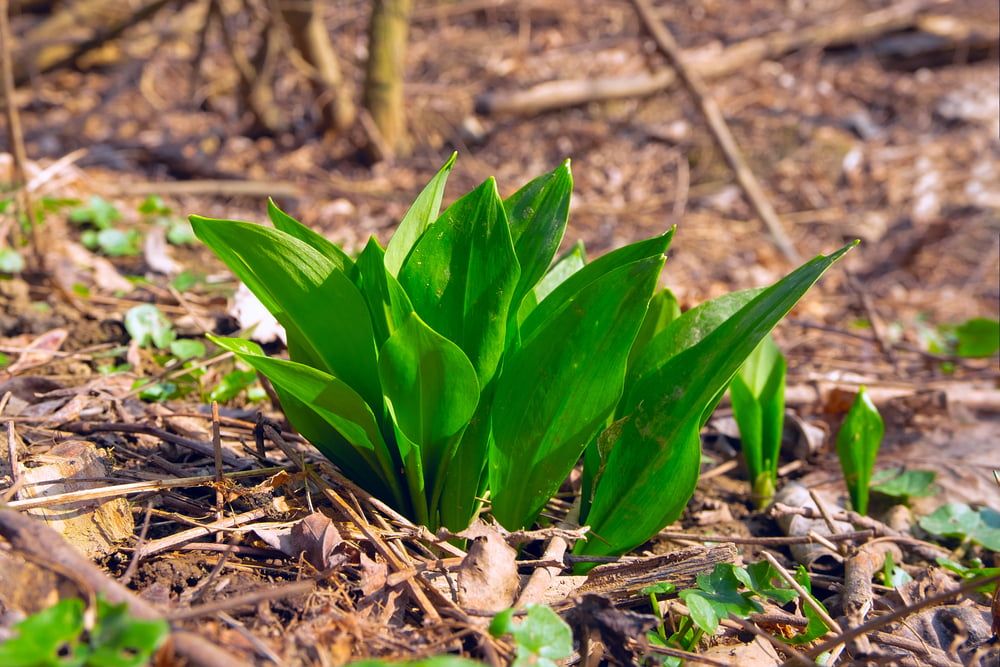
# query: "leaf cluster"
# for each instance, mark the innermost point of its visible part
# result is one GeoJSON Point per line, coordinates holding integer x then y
{"type": "Point", "coordinates": [464, 361]}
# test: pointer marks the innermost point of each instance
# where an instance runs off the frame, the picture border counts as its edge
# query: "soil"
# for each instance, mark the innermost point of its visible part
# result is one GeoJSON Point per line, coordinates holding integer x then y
{"type": "Point", "coordinates": [886, 140]}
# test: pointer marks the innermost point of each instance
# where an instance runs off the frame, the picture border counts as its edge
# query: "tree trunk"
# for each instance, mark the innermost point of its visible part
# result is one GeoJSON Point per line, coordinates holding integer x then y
{"type": "Point", "coordinates": [383, 93]}
{"type": "Point", "coordinates": [309, 35]}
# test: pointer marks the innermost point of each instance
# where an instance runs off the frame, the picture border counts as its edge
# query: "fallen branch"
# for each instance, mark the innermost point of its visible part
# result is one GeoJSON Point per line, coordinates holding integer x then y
{"type": "Point", "coordinates": [46, 547]}
{"type": "Point", "coordinates": [560, 94]}
{"type": "Point", "coordinates": [724, 139]}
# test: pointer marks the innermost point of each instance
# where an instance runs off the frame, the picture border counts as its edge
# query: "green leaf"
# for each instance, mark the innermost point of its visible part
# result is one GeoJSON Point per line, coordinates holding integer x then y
{"type": "Point", "coordinates": [702, 611]}
{"type": "Point", "coordinates": [292, 279]}
{"type": "Point", "coordinates": [718, 596]}
{"type": "Point", "coordinates": [565, 266]}
{"type": "Point", "coordinates": [661, 588]}
{"type": "Point", "coordinates": [289, 225]}
{"type": "Point", "coordinates": [97, 212]}
{"type": "Point", "coordinates": [566, 290]}
{"type": "Point", "coordinates": [758, 397]}
{"type": "Point", "coordinates": [47, 638]}
{"type": "Point", "coordinates": [146, 324]}
{"type": "Point", "coordinates": [333, 402]}
{"type": "Point", "coordinates": [663, 309]}
{"type": "Point", "coordinates": [417, 219]}
{"type": "Point", "coordinates": [760, 578]}
{"type": "Point", "coordinates": [687, 331]}
{"type": "Point", "coordinates": [388, 304]}
{"type": "Point", "coordinates": [978, 337]}
{"type": "Point", "coordinates": [432, 392]}
{"type": "Point", "coordinates": [858, 442]}
{"type": "Point", "coordinates": [958, 520]}
{"type": "Point", "coordinates": [461, 276]}
{"type": "Point", "coordinates": [119, 640]}
{"type": "Point", "coordinates": [118, 243]}
{"type": "Point", "coordinates": [905, 484]}
{"type": "Point", "coordinates": [816, 627]}
{"type": "Point", "coordinates": [231, 385]}
{"type": "Point", "coordinates": [180, 233]}
{"type": "Point", "coordinates": [11, 261]}
{"type": "Point", "coordinates": [542, 637]}
{"type": "Point", "coordinates": [187, 348]}
{"type": "Point", "coordinates": [559, 387]}
{"type": "Point", "coordinates": [153, 205]}
{"type": "Point", "coordinates": [538, 213]}
{"type": "Point", "coordinates": [654, 463]}
{"type": "Point", "coordinates": [893, 575]}
{"type": "Point", "coordinates": [976, 571]}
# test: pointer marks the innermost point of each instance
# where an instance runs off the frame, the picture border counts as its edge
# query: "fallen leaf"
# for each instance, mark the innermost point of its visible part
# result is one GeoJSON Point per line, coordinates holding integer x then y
{"type": "Point", "coordinates": [156, 252]}
{"type": "Point", "coordinates": [487, 577]}
{"type": "Point", "coordinates": [39, 351]}
{"type": "Point", "coordinates": [318, 539]}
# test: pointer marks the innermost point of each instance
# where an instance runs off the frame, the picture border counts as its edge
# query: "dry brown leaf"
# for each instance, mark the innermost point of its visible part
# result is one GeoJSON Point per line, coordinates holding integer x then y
{"type": "Point", "coordinates": [39, 351]}
{"type": "Point", "coordinates": [156, 252]}
{"type": "Point", "coordinates": [318, 539]}
{"type": "Point", "coordinates": [487, 577]}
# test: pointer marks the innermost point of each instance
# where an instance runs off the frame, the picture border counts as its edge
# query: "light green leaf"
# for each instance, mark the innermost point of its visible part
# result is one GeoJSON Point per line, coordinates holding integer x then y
{"type": "Point", "coordinates": [146, 324]}
{"type": "Point", "coordinates": [564, 267]}
{"type": "Point", "coordinates": [960, 521]}
{"type": "Point", "coordinates": [310, 296]}
{"type": "Point", "coordinates": [538, 213]}
{"type": "Point", "coordinates": [461, 276]}
{"type": "Point", "coordinates": [187, 348]}
{"type": "Point", "coordinates": [858, 442]}
{"type": "Point", "coordinates": [978, 337]}
{"type": "Point", "coordinates": [289, 225]}
{"type": "Point", "coordinates": [330, 399]}
{"type": "Point", "coordinates": [542, 637]}
{"type": "Point", "coordinates": [559, 387]}
{"type": "Point", "coordinates": [905, 484]}
{"type": "Point", "coordinates": [388, 304]}
{"type": "Point", "coordinates": [653, 466]}
{"type": "Point", "coordinates": [417, 219]}
{"type": "Point", "coordinates": [11, 261]}
{"type": "Point", "coordinates": [431, 390]}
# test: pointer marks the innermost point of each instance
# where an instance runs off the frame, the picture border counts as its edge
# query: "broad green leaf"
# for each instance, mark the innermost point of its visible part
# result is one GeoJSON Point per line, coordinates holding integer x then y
{"type": "Point", "coordinates": [702, 611]}
{"type": "Point", "coordinates": [49, 637]}
{"type": "Point", "coordinates": [289, 225]}
{"type": "Point", "coordinates": [432, 392]}
{"type": "Point", "coordinates": [146, 324]}
{"type": "Point", "coordinates": [663, 309]}
{"type": "Point", "coordinates": [653, 466]}
{"type": "Point", "coordinates": [960, 521]}
{"type": "Point", "coordinates": [686, 331]}
{"type": "Point", "coordinates": [564, 267]}
{"type": "Point", "coordinates": [760, 578]}
{"type": "Point", "coordinates": [187, 348]}
{"type": "Point", "coordinates": [858, 442]}
{"type": "Point", "coordinates": [558, 388]}
{"type": "Point", "coordinates": [420, 215]}
{"type": "Point", "coordinates": [905, 484]}
{"type": "Point", "coordinates": [314, 300]}
{"type": "Point", "coordinates": [387, 302]}
{"type": "Point", "coordinates": [978, 337]}
{"type": "Point", "coordinates": [817, 626]}
{"type": "Point", "coordinates": [461, 276]}
{"type": "Point", "coordinates": [332, 400]}
{"type": "Point", "coordinates": [573, 284]}
{"type": "Point", "coordinates": [542, 637]}
{"type": "Point", "coordinates": [718, 596]}
{"type": "Point", "coordinates": [466, 479]}
{"type": "Point", "coordinates": [538, 213]}
{"type": "Point", "coordinates": [120, 640]}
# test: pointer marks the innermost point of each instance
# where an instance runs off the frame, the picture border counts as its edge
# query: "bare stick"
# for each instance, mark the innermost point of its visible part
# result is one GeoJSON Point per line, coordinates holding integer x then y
{"type": "Point", "coordinates": [720, 130]}
{"type": "Point", "coordinates": [542, 577]}
{"type": "Point", "coordinates": [15, 472]}
{"type": "Point", "coordinates": [768, 541]}
{"type": "Point", "coordinates": [803, 593]}
{"type": "Point", "coordinates": [897, 614]}
{"type": "Point", "coordinates": [217, 446]}
{"type": "Point", "coordinates": [14, 133]}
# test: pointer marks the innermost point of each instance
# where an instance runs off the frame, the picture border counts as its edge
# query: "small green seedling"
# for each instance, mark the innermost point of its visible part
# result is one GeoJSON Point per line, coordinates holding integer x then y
{"type": "Point", "coordinates": [460, 362]}
{"type": "Point", "coordinates": [541, 637]}
{"type": "Point", "coordinates": [959, 521]}
{"type": "Point", "coordinates": [974, 571]}
{"type": "Point", "coordinates": [905, 484]}
{"type": "Point", "coordinates": [147, 325]}
{"type": "Point", "coordinates": [758, 397]}
{"type": "Point", "coordinates": [97, 212]}
{"type": "Point", "coordinates": [59, 637]}
{"type": "Point", "coordinates": [858, 443]}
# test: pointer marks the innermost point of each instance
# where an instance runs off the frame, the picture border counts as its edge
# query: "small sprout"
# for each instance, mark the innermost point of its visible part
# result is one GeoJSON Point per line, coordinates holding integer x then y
{"type": "Point", "coordinates": [154, 205]}
{"type": "Point", "coordinates": [979, 337]}
{"type": "Point", "coordinates": [11, 261]}
{"type": "Point", "coordinates": [96, 212]}
{"type": "Point", "coordinates": [231, 385]}
{"type": "Point", "coordinates": [858, 443]}
{"type": "Point", "coordinates": [186, 348]}
{"type": "Point", "coordinates": [958, 520]}
{"type": "Point", "coordinates": [113, 242]}
{"type": "Point", "coordinates": [758, 397]}
{"type": "Point", "coordinates": [147, 325]}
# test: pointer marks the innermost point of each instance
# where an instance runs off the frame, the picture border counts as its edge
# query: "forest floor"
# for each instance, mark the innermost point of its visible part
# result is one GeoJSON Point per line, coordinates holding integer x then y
{"type": "Point", "coordinates": [893, 139]}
